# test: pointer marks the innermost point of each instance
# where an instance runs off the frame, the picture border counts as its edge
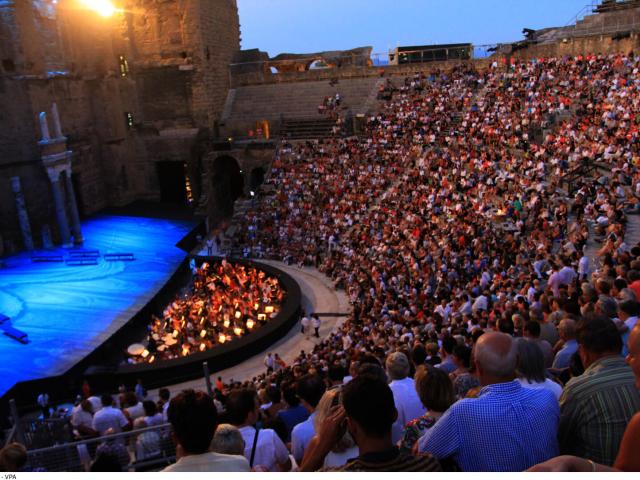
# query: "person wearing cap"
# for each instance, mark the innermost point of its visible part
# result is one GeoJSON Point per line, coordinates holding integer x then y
{"type": "Point", "coordinates": [404, 391]}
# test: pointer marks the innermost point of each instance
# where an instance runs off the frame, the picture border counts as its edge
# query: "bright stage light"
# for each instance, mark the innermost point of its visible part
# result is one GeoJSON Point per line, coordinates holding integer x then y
{"type": "Point", "coordinates": [104, 8]}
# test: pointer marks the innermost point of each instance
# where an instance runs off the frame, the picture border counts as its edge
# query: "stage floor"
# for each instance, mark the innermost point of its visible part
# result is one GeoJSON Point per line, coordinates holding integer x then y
{"type": "Point", "coordinates": [68, 311]}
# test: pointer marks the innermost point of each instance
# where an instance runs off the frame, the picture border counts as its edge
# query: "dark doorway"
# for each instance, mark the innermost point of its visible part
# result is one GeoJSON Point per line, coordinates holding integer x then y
{"type": "Point", "coordinates": [75, 180]}
{"type": "Point", "coordinates": [227, 183]}
{"type": "Point", "coordinates": [171, 178]}
{"type": "Point", "coordinates": [257, 178]}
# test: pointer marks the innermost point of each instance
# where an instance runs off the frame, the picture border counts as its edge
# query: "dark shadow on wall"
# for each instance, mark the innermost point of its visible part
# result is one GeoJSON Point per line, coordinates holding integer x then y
{"type": "Point", "coordinates": [227, 184]}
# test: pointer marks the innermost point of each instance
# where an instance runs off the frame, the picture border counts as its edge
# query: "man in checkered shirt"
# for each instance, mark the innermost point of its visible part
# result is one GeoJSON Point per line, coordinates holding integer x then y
{"type": "Point", "coordinates": [507, 428]}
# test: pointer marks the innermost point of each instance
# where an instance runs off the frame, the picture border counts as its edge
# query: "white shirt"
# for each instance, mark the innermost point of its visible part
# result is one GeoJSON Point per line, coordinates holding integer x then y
{"type": "Point", "coordinates": [548, 384]}
{"type": "Point", "coordinates": [82, 418]}
{"type": "Point", "coordinates": [210, 462]}
{"type": "Point", "coordinates": [301, 435]}
{"type": "Point", "coordinates": [136, 411]}
{"type": "Point", "coordinates": [109, 417]}
{"type": "Point", "coordinates": [407, 403]}
{"type": "Point", "coordinates": [270, 451]}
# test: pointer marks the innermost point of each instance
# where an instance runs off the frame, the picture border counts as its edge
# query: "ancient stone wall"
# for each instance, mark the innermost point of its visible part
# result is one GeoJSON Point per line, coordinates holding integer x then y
{"type": "Point", "coordinates": [120, 83]}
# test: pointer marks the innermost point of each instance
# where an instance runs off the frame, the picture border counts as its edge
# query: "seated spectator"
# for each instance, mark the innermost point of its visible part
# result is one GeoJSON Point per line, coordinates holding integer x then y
{"type": "Point", "coordinates": [294, 413]}
{"type": "Point", "coordinates": [463, 380]}
{"type": "Point", "coordinates": [228, 440]}
{"type": "Point", "coordinates": [437, 394]}
{"type": "Point", "coordinates": [597, 406]}
{"type": "Point", "coordinates": [507, 428]}
{"type": "Point", "coordinates": [432, 354]}
{"type": "Point", "coordinates": [567, 332]}
{"type": "Point", "coordinates": [13, 457]}
{"type": "Point", "coordinates": [532, 332]}
{"type": "Point", "coordinates": [310, 389]}
{"type": "Point", "coordinates": [446, 353]}
{"type": "Point", "coordinates": [405, 397]}
{"type": "Point", "coordinates": [194, 419]}
{"type": "Point", "coordinates": [147, 443]}
{"type": "Point", "coordinates": [274, 395]}
{"type": "Point", "coordinates": [531, 371]}
{"type": "Point", "coordinates": [628, 311]}
{"type": "Point", "coordinates": [152, 417]}
{"type": "Point", "coordinates": [262, 447]}
{"type": "Point", "coordinates": [627, 459]}
{"type": "Point", "coordinates": [368, 413]}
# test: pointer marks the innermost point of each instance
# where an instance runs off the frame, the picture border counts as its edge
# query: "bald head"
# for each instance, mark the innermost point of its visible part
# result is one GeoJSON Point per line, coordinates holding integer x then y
{"type": "Point", "coordinates": [496, 356]}
{"type": "Point", "coordinates": [567, 329]}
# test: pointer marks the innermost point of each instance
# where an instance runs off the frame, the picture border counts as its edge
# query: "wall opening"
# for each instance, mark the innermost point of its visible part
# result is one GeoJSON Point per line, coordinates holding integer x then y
{"type": "Point", "coordinates": [227, 183]}
{"type": "Point", "coordinates": [256, 178]}
{"type": "Point", "coordinates": [171, 178]}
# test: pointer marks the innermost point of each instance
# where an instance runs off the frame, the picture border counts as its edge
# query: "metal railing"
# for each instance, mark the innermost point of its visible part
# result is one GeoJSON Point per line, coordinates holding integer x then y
{"type": "Point", "coordinates": [138, 450]}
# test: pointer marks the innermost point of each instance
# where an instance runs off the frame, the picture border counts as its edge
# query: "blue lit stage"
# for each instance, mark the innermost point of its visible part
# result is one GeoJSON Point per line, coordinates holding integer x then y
{"type": "Point", "coordinates": [68, 311]}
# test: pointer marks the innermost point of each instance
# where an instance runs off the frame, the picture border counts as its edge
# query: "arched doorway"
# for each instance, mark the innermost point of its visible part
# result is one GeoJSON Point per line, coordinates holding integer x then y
{"type": "Point", "coordinates": [227, 183]}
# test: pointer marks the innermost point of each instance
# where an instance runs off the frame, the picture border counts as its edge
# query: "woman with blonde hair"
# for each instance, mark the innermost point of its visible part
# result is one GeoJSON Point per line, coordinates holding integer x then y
{"type": "Point", "coordinates": [346, 448]}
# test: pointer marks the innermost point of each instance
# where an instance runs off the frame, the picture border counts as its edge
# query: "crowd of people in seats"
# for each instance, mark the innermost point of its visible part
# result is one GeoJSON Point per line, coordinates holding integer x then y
{"type": "Point", "coordinates": [453, 217]}
{"type": "Point", "coordinates": [484, 336]}
{"type": "Point", "coordinates": [225, 301]}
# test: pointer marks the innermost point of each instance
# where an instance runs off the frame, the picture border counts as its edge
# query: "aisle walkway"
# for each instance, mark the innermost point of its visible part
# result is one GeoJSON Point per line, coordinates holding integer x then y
{"type": "Point", "coordinates": [319, 296]}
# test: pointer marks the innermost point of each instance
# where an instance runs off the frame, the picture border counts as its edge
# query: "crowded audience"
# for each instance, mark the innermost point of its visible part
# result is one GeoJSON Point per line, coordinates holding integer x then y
{"type": "Point", "coordinates": [486, 332]}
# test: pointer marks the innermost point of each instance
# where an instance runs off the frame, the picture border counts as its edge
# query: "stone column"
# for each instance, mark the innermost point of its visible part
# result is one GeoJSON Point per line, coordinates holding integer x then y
{"type": "Point", "coordinates": [58, 198]}
{"type": "Point", "coordinates": [75, 217]}
{"type": "Point", "coordinates": [23, 216]}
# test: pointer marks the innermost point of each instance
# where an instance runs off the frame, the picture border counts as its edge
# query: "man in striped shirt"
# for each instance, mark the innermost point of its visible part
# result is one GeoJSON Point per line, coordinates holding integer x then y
{"type": "Point", "coordinates": [597, 406]}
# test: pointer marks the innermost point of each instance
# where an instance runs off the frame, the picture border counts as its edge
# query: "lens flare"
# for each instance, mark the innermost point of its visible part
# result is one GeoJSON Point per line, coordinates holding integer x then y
{"type": "Point", "coordinates": [104, 8]}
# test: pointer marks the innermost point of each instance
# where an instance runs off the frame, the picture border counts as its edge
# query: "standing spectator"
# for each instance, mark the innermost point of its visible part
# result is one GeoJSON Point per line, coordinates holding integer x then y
{"type": "Point", "coordinates": [82, 420]}
{"type": "Point", "coordinates": [315, 323]}
{"type": "Point", "coordinates": [294, 413]}
{"type": "Point", "coordinates": [369, 412]}
{"type": "Point", "coordinates": [109, 419]}
{"type": "Point", "coordinates": [164, 395]}
{"type": "Point", "coordinates": [405, 396]}
{"type": "Point", "coordinates": [597, 405]}
{"type": "Point", "coordinates": [194, 419]}
{"type": "Point", "coordinates": [43, 403]}
{"type": "Point", "coordinates": [304, 324]}
{"type": "Point", "coordinates": [507, 427]}
{"type": "Point", "coordinates": [269, 362]}
{"type": "Point", "coordinates": [140, 391]}
{"type": "Point", "coordinates": [209, 246]}
{"type": "Point", "coordinates": [263, 448]}
{"type": "Point", "coordinates": [310, 389]}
